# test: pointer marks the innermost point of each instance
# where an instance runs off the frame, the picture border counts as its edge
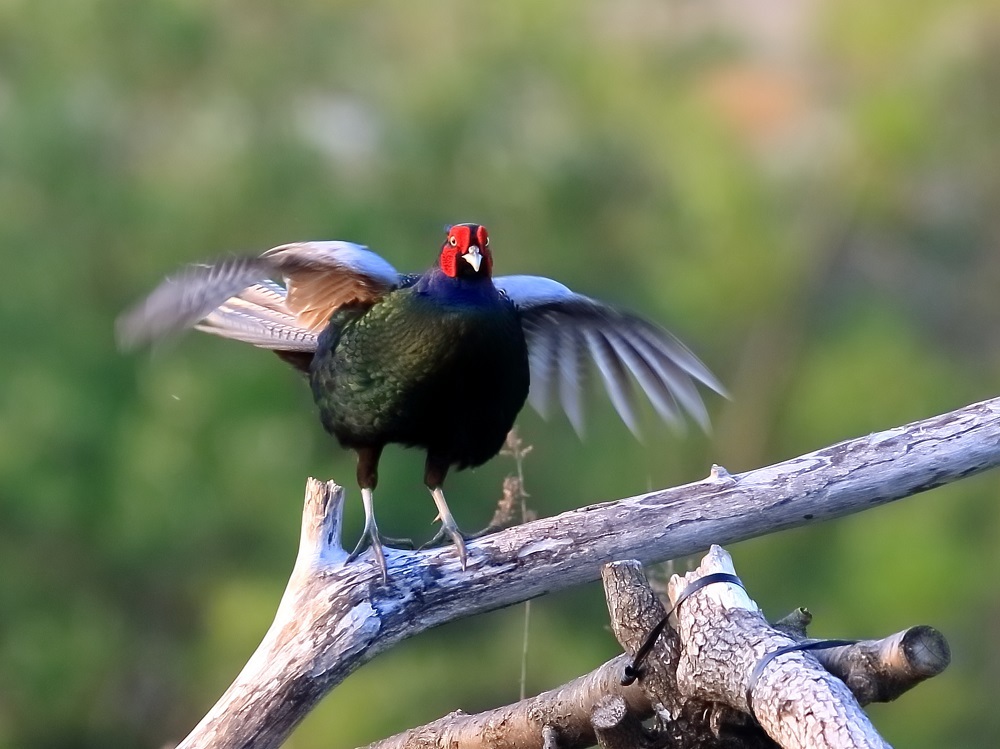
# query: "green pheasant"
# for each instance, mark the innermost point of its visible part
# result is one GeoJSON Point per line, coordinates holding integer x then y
{"type": "Point", "coordinates": [442, 361]}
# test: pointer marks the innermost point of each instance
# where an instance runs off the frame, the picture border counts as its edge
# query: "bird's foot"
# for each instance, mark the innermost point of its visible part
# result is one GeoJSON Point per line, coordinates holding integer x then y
{"type": "Point", "coordinates": [448, 527]}
{"type": "Point", "coordinates": [443, 537]}
{"type": "Point", "coordinates": [371, 537]}
{"type": "Point", "coordinates": [388, 542]}
{"type": "Point", "coordinates": [450, 531]}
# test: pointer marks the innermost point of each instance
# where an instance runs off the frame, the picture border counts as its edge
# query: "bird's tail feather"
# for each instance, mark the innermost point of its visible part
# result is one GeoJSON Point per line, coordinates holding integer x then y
{"type": "Point", "coordinates": [258, 316]}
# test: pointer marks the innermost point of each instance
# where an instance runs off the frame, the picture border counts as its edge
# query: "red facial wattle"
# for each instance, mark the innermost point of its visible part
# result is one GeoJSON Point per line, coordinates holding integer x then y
{"type": "Point", "coordinates": [466, 248]}
{"type": "Point", "coordinates": [449, 261]}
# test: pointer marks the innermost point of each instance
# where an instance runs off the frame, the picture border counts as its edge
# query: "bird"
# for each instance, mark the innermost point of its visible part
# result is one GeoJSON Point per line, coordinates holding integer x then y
{"type": "Point", "coordinates": [442, 361]}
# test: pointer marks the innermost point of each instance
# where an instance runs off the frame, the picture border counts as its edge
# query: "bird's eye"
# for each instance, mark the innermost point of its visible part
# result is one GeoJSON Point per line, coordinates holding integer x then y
{"type": "Point", "coordinates": [453, 241]}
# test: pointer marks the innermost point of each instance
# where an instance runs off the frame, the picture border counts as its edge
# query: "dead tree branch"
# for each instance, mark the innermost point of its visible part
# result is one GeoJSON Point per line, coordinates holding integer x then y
{"type": "Point", "coordinates": [333, 618]}
{"type": "Point", "coordinates": [596, 707]}
{"type": "Point", "coordinates": [563, 713]}
{"type": "Point", "coordinates": [881, 670]}
{"type": "Point", "coordinates": [724, 637]}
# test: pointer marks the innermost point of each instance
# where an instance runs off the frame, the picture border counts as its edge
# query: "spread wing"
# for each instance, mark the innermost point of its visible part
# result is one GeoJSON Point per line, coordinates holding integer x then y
{"type": "Point", "coordinates": [236, 298]}
{"type": "Point", "coordinates": [564, 329]}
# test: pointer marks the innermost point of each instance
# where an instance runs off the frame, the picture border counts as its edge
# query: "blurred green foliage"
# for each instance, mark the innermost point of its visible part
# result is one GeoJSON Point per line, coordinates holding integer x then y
{"type": "Point", "coordinates": [807, 193]}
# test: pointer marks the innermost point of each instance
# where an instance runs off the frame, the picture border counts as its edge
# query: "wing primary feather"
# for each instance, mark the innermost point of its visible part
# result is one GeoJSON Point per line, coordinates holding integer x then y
{"type": "Point", "coordinates": [571, 375]}
{"type": "Point", "coordinates": [645, 373]}
{"type": "Point", "coordinates": [616, 380]}
{"type": "Point", "coordinates": [320, 277]}
{"type": "Point", "coordinates": [675, 376]}
{"type": "Point", "coordinates": [183, 300]}
{"type": "Point", "coordinates": [671, 347]}
{"type": "Point", "coordinates": [543, 353]}
{"type": "Point", "coordinates": [561, 325]}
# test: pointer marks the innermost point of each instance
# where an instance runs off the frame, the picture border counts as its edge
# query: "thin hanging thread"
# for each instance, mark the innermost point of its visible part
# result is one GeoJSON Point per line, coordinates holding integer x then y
{"type": "Point", "coordinates": [517, 449]}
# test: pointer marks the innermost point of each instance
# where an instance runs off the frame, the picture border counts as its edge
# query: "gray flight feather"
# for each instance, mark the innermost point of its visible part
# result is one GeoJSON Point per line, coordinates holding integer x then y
{"type": "Point", "coordinates": [236, 298]}
{"type": "Point", "coordinates": [183, 300]}
{"type": "Point", "coordinates": [563, 328]}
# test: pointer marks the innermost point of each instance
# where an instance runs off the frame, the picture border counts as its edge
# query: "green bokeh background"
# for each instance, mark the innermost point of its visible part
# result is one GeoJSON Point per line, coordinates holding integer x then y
{"type": "Point", "coordinates": [808, 193]}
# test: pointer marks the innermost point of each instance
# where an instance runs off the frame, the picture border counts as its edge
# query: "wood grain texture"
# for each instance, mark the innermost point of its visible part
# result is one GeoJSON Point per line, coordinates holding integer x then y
{"type": "Point", "coordinates": [333, 618]}
{"type": "Point", "coordinates": [796, 701]}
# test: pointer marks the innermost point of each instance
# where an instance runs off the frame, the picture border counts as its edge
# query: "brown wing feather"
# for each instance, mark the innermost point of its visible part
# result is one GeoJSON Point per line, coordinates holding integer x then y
{"type": "Point", "coordinates": [320, 281]}
{"type": "Point", "coordinates": [233, 298]}
{"type": "Point", "coordinates": [312, 298]}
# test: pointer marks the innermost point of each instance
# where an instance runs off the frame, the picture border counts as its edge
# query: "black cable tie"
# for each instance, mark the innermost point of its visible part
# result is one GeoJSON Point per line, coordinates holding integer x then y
{"type": "Point", "coordinates": [768, 657]}
{"type": "Point", "coordinates": [634, 669]}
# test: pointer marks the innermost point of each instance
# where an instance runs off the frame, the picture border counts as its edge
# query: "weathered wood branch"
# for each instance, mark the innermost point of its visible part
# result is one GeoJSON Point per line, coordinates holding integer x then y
{"type": "Point", "coordinates": [881, 670]}
{"type": "Point", "coordinates": [615, 727]}
{"type": "Point", "coordinates": [795, 700]}
{"type": "Point", "coordinates": [596, 707]}
{"type": "Point", "coordinates": [333, 618]}
{"type": "Point", "coordinates": [564, 713]}
{"type": "Point", "coordinates": [691, 659]}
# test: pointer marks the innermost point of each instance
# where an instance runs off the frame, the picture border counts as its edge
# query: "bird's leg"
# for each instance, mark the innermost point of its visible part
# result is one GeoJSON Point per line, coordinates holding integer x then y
{"type": "Point", "coordinates": [368, 480]}
{"type": "Point", "coordinates": [435, 471]}
{"type": "Point", "coordinates": [448, 526]}
{"type": "Point", "coordinates": [370, 536]}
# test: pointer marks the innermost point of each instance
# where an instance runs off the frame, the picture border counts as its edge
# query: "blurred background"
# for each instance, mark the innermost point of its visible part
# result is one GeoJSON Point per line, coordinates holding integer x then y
{"type": "Point", "coordinates": [806, 192]}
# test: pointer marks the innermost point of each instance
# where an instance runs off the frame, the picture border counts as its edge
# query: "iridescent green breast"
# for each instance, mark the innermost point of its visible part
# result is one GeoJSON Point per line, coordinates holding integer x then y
{"type": "Point", "coordinates": [449, 374]}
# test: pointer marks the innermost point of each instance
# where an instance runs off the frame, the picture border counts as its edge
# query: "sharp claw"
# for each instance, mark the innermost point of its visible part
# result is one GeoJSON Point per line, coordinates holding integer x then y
{"type": "Point", "coordinates": [456, 536]}
{"type": "Point", "coordinates": [380, 558]}
{"type": "Point", "coordinates": [370, 537]}
{"type": "Point", "coordinates": [448, 528]}
{"type": "Point", "coordinates": [463, 556]}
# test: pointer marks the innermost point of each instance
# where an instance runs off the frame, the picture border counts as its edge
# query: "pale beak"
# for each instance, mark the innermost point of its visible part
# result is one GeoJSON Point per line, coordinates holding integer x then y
{"type": "Point", "coordinates": [473, 258]}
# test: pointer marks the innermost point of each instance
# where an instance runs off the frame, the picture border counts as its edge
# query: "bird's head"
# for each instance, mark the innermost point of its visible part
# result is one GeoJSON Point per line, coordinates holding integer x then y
{"type": "Point", "coordinates": [466, 252]}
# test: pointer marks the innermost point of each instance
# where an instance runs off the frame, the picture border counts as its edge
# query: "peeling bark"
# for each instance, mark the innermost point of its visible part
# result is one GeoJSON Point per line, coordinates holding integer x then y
{"type": "Point", "coordinates": [688, 717]}
{"type": "Point", "coordinates": [561, 715]}
{"type": "Point", "coordinates": [881, 670]}
{"type": "Point", "coordinates": [617, 728]}
{"type": "Point", "coordinates": [333, 618]}
{"type": "Point", "coordinates": [795, 700]}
